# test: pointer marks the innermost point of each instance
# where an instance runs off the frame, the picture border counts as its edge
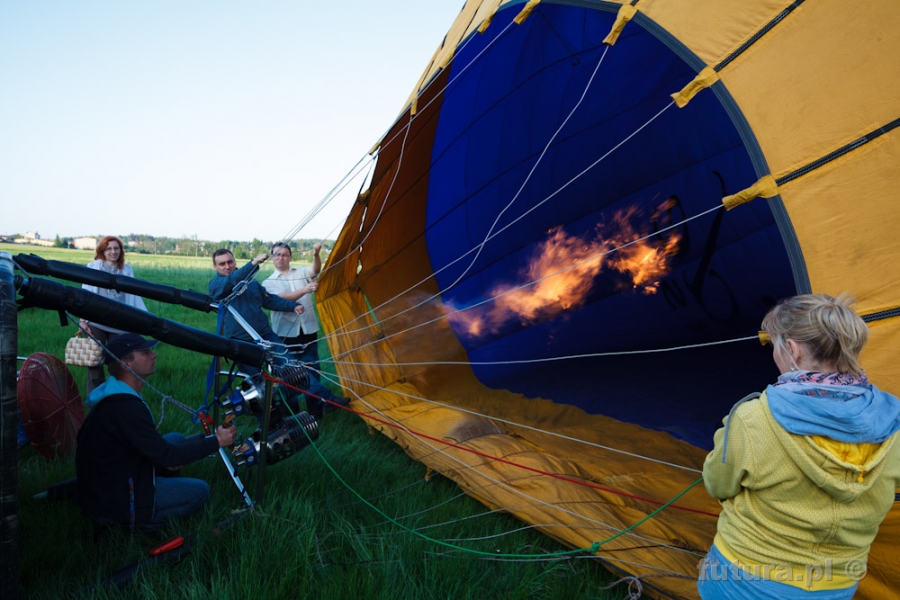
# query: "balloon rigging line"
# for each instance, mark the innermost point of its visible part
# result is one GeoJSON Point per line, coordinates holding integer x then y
{"type": "Point", "coordinates": [504, 510]}
{"type": "Point", "coordinates": [338, 331]}
{"type": "Point", "coordinates": [332, 196]}
{"type": "Point", "coordinates": [379, 496]}
{"type": "Point", "coordinates": [621, 532]}
{"type": "Point", "coordinates": [288, 238]}
{"type": "Point", "coordinates": [664, 572]}
{"type": "Point", "coordinates": [525, 181]}
{"type": "Point", "coordinates": [327, 377]}
{"type": "Point", "coordinates": [592, 548]}
{"type": "Point", "coordinates": [507, 510]}
{"type": "Point", "coordinates": [447, 85]}
{"type": "Point", "coordinates": [419, 513]}
{"type": "Point", "coordinates": [520, 287]}
{"type": "Point", "coordinates": [483, 514]}
{"type": "Point", "coordinates": [605, 553]}
{"type": "Point", "coordinates": [566, 526]}
{"type": "Point", "coordinates": [548, 359]}
{"type": "Point", "coordinates": [239, 287]}
{"type": "Point", "coordinates": [407, 128]}
{"type": "Point", "coordinates": [342, 222]}
{"type": "Point", "coordinates": [496, 459]}
{"type": "Point", "coordinates": [490, 234]}
{"type": "Point", "coordinates": [652, 543]}
{"type": "Point", "coordinates": [595, 546]}
{"type": "Point", "coordinates": [502, 484]}
{"type": "Point", "coordinates": [338, 187]}
{"type": "Point", "coordinates": [294, 232]}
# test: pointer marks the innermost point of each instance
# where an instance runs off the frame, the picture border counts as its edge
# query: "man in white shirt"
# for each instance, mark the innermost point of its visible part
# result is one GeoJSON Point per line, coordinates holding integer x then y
{"type": "Point", "coordinates": [300, 330]}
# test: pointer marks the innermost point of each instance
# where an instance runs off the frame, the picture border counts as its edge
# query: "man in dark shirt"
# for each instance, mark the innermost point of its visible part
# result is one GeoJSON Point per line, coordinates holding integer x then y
{"type": "Point", "coordinates": [127, 471]}
{"type": "Point", "coordinates": [249, 302]}
{"type": "Point", "coordinates": [251, 299]}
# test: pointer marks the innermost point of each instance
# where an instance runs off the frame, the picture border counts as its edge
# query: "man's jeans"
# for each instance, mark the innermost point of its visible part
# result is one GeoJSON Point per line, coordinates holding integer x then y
{"type": "Point", "coordinates": [178, 497]}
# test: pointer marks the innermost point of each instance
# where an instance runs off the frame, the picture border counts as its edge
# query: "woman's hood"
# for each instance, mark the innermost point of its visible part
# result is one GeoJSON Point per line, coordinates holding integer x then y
{"type": "Point", "coordinates": [855, 414]}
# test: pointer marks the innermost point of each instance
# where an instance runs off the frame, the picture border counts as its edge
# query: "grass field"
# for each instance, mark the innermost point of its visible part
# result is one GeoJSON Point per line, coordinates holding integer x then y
{"type": "Point", "coordinates": [350, 517]}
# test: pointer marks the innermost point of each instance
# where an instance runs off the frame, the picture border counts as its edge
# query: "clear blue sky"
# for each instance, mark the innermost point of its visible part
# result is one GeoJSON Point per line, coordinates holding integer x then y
{"type": "Point", "coordinates": [218, 119]}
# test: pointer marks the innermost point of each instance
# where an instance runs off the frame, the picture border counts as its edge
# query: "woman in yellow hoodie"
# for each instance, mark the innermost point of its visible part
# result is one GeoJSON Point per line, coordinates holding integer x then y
{"type": "Point", "coordinates": [807, 470]}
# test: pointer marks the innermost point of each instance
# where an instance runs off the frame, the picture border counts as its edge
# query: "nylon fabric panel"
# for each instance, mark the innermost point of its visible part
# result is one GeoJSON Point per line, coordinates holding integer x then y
{"type": "Point", "coordinates": [804, 89]}
{"type": "Point", "coordinates": [497, 118]}
{"type": "Point", "coordinates": [470, 18]}
{"type": "Point", "coordinates": [881, 579]}
{"type": "Point", "coordinates": [527, 495]}
{"type": "Point", "coordinates": [712, 30]}
{"type": "Point", "coordinates": [819, 80]}
{"type": "Point", "coordinates": [845, 215]}
{"type": "Point", "coordinates": [879, 357]}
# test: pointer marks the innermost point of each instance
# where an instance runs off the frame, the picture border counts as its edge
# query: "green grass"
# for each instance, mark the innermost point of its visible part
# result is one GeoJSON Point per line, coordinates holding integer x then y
{"type": "Point", "coordinates": [312, 536]}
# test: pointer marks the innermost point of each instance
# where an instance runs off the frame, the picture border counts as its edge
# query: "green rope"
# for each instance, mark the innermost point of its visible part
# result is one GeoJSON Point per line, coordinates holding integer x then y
{"type": "Point", "coordinates": [593, 548]}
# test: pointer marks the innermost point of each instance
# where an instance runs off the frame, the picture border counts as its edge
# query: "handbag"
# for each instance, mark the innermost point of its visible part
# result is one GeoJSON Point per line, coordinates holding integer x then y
{"type": "Point", "coordinates": [83, 352]}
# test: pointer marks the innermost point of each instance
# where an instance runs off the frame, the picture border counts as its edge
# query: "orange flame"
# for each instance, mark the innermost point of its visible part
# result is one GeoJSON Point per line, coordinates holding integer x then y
{"type": "Point", "coordinates": [562, 272]}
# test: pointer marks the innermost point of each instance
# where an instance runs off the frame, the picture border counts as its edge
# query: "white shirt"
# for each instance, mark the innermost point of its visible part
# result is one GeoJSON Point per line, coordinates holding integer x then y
{"type": "Point", "coordinates": [129, 299]}
{"type": "Point", "coordinates": [287, 324]}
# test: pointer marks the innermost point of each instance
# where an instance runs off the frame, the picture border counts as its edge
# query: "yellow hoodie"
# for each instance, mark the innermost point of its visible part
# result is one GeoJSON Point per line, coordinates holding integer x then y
{"type": "Point", "coordinates": [802, 510]}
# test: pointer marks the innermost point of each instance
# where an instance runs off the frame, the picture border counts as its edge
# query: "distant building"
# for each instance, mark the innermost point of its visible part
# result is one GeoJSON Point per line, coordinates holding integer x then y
{"type": "Point", "coordinates": [84, 243]}
{"type": "Point", "coordinates": [33, 238]}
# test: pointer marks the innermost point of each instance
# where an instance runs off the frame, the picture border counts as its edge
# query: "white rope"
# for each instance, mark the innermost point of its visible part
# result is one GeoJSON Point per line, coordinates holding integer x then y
{"type": "Point", "coordinates": [339, 187]}
{"type": "Point", "coordinates": [534, 167]}
{"type": "Point", "coordinates": [407, 128]}
{"type": "Point", "coordinates": [547, 359]}
{"type": "Point", "coordinates": [490, 235]}
{"type": "Point", "coordinates": [327, 199]}
{"type": "Point", "coordinates": [327, 377]}
{"type": "Point", "coordinates": [339, 331]}
{"type": "Point", "coordinates": [502, 484]}
{"type": "Point", "coordinates": [575, 265]}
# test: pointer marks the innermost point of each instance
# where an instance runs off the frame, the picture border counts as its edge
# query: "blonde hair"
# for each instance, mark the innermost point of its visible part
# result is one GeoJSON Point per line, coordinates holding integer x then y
{"type": "Point", "coordinates": [829, 328]}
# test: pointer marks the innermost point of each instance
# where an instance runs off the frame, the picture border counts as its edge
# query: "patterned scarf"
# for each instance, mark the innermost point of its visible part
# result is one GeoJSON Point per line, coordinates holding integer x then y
{"type": "Point", "coordinates": [839, 386]}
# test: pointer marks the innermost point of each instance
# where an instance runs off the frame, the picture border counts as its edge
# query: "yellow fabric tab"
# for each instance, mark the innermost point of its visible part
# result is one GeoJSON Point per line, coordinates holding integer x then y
{"type": "Point", "coordinates": [764, 338]}
{"type": "Point", "coordinates": [446, 60]}
{"type": "Point", "coordinates": [764, 188]}
{"type": "Point", "coordinates": [626, 13]}
{"type": "Point", "coordinates": [414, 105]}
{"type": "Point", "coordinates": [525, 12]}
{"type": "Point", "coordinates": [486, 23]}
{"type": "Point", "coordinates": [703, 80]}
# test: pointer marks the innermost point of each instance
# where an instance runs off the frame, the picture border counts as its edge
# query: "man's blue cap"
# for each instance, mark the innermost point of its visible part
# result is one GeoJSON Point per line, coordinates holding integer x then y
{"type": "Point", "coordinates": [123, 345]}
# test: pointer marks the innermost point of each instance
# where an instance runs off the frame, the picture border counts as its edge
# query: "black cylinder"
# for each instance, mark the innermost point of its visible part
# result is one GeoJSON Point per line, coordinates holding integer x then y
{"type": "Point", "coordinates": [43, 293]}
{"type": "Point", "coordinates": [36, 265]}
{"type": "Point", "coordinates": [9, 452]}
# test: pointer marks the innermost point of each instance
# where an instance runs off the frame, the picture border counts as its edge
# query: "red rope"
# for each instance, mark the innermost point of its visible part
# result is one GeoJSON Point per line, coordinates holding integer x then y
{"type": "Point", "coordinates": [489, 457]}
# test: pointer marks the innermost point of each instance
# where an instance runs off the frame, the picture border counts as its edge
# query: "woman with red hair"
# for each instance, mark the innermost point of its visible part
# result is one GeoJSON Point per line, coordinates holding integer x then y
{"type": "Point", "coordinates": [109, 258]}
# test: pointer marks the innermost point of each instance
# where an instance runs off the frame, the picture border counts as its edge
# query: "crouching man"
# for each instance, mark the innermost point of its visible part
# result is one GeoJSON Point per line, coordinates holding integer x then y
{"type": "Point", "coordinates": [127, 471]}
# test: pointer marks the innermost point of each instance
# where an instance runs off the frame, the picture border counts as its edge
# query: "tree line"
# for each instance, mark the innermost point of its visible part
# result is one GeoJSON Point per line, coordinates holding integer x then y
{"type": "Point", "coordinates": [191, 246]}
